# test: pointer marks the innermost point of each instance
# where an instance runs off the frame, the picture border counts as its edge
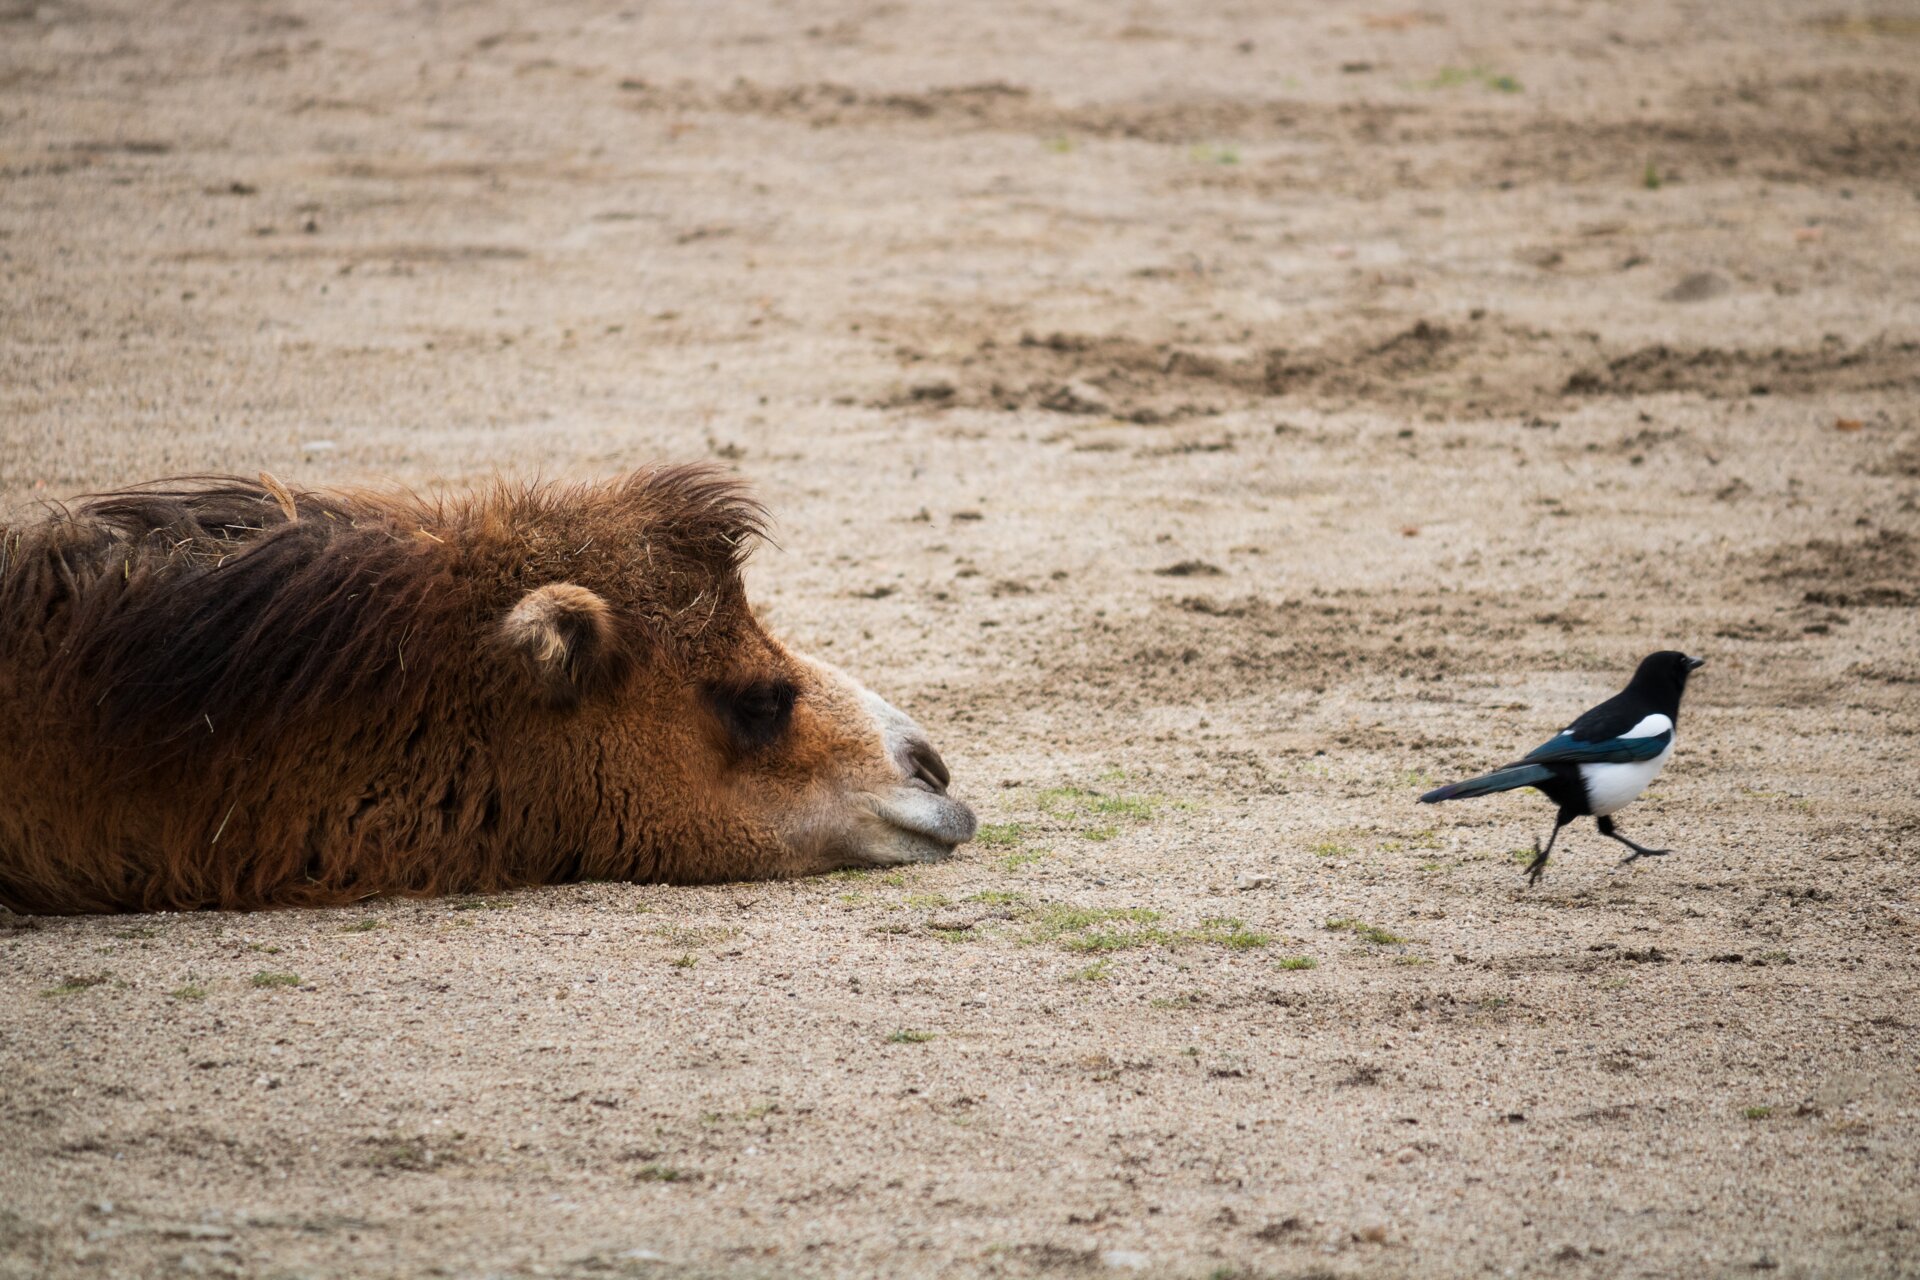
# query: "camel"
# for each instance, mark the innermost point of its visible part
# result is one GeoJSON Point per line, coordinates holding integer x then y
{"type": "Point", "coordinates": [221, 693]}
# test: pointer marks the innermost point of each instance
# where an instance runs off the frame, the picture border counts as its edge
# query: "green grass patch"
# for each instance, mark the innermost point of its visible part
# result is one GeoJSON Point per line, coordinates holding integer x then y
{"type": "Point", "coordinates": [364, 926]}
{"type": "Point", "coordinates": [1118, 929]}
{"type": "Point", "coordinates": [1224, 931]}
{"type": "Point", "coordinates": [1330, 849]}
{"type": "Point", "coordinates": [267, 979]}
{"type": "Point", "coordinates": [1454, 77]}
{"type": "Point", "coordinates": [1095, 972]}
{"type": "Point", "coordinates": [1000, 835]}
{"type": "Point", "coordinates": [686, 960]}
{"type": "Point", "coordinates": [1297, 962]}
{"type": "Point", "coordinates": [1068, 799]}
{"type": "Point", "coordinates": [74, 983]}
{"type": "Point", "coordinates": [997, 897]}
{"type": "Point", "coordinates": [1025, 858]}
{"type": "Point", "coordinates": [1082, 804]}
{"type": "Point", "coordinates": [908, 1036]}
{"type": "Point", "coordinates": [1207, 153]}
{"type": "Point", "coordinates": [1056, 918]}
{"type": "Point", "coordinates": [1757, 1113]}
{"type": "Point", "coordinates": [1365, 932]}
{"type": "Point", "coordinates": [1107, 929]}
{"type": "Point", "coordinates": [483, 904]}
{"type": "Point", "coordinates": [688, 936]}
{"type": "Point", "coordinates": [1106, 939]}
{"type": "Point", "coordinates": [1092, 928]}
{"type": "Point", "coordinates": [928, 901]}
{"type": "Point", "coordinates": [662, 1173]}
{"type": "Point", "coordinates": [190, 992]}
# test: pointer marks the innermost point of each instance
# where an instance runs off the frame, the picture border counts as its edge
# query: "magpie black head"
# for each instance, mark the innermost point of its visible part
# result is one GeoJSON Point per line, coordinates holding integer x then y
{"type": "Point", "coordinates": [1662, 677]}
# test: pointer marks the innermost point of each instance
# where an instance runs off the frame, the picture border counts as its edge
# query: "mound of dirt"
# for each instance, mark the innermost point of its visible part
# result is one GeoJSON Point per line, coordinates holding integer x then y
{"type": "Point", "coordinates": [1833, 366]}
{"type": "Point", "coordinates": [1882, 570]}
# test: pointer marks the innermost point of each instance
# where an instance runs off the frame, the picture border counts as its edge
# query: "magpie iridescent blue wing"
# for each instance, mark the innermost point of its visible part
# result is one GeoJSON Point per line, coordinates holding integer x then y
{"type": "Point", "coordinates": [1642, 740]}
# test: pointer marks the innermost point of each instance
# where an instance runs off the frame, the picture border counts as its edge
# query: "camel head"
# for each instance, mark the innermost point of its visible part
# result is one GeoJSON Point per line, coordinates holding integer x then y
{"type": "Point", "coordinates": [766, 749]}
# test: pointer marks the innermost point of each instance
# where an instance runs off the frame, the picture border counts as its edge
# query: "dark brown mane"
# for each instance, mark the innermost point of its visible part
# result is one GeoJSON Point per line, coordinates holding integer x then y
{"type": "Point", "coordinates": [189, 606]}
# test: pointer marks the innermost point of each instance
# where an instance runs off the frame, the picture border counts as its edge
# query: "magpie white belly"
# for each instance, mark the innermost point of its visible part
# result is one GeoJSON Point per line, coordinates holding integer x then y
{"type": "Point", "coordinates": [1612, 787]}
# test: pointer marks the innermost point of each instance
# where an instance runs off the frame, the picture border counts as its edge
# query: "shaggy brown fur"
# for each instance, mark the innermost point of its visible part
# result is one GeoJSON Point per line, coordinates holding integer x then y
{"type": "Point", "coordinates": [216, 692]}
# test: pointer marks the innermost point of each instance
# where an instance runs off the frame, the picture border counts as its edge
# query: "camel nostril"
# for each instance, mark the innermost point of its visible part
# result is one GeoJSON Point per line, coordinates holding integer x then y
{"type": "Point", "coordinates": [924, 763]}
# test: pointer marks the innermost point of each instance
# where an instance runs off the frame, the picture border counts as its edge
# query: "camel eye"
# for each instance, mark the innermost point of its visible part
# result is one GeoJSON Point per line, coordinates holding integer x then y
{"type": "Point", "coordinates": [754, 715]}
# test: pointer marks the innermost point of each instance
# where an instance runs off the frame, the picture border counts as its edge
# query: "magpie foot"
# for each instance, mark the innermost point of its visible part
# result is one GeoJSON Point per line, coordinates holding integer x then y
{"type": "Point", "coordinates": [1639, 852]}
{"type": "Point", "coordinates": [1538, 866]}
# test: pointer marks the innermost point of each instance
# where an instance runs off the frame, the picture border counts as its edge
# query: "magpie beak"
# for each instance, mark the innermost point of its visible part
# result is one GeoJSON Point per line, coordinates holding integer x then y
{"type": "Point", "coordinates": [1694, 664]}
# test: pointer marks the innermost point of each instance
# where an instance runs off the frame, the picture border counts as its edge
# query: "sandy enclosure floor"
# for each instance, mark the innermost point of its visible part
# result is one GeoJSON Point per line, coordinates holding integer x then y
{"type": "Point", "coordinates": [1214, 424]}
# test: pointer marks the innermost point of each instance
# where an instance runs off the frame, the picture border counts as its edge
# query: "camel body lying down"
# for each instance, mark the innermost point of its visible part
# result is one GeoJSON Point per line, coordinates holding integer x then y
{"type": "Point", "coordinates": [222, 693]}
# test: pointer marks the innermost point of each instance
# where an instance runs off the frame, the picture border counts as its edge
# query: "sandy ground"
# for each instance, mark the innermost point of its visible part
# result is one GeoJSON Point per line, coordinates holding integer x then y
{"type": "Point", "coordinates": [1214, 425]}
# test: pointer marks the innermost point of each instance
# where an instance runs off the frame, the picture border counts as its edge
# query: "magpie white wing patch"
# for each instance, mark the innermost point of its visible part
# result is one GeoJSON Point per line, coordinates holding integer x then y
{"type": "Point", "coordinates": [1650, 727]}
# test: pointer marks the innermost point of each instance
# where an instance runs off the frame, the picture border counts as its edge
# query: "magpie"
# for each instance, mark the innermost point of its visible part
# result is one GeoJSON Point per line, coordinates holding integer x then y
{"type": "Point", "coordinates": [1599, 764]}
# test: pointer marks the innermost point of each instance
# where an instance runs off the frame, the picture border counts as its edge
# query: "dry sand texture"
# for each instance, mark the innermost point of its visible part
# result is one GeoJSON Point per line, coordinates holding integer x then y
{"type": "Point", "coordinates": [1214, 423]}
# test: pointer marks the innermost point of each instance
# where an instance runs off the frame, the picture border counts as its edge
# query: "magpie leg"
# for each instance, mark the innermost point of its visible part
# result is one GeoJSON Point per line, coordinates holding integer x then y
{"type": "Point", "coordinates": [1639, 850]}
{"type": "Point", "coordinates": [1539, 863]}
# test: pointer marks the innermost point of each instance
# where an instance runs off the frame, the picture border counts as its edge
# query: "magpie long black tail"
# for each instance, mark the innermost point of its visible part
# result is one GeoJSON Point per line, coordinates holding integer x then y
{"type": "Point", "coordinates": [1507, 779]}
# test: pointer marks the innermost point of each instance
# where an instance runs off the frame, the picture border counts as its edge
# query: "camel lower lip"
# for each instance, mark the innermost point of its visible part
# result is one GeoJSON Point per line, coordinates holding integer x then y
{"type": "Point", "coordinates": [930, 817]}
{"type": "Point", "coordinates": [915, 846]}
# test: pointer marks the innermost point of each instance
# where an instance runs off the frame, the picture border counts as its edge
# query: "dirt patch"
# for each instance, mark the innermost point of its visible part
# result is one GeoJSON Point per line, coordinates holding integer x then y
{"type": "Point", "coordinates": [1194, 649]}
{"type": "Point", "coordinates": [996, 105]}
{"type": "Point", "coordinates": [1160, 382]}
{"type": "Point", "coordinates": [1903, 463]}
{"type": "Point", "coordinates": [1833, 366]}
{"type": "Point", "coordinates": [1476, 366]}
{"type": "Point", "coordinates": [1881, 570]}
{"type": "Point", "coordinates": [1658, 152]}
{"type": "Point", "coordinates": [1804, 128]}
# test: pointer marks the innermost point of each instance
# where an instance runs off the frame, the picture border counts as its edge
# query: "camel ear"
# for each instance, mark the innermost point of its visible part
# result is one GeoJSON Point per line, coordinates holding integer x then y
{"type": "Point", "coordinates": [566, 634]}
